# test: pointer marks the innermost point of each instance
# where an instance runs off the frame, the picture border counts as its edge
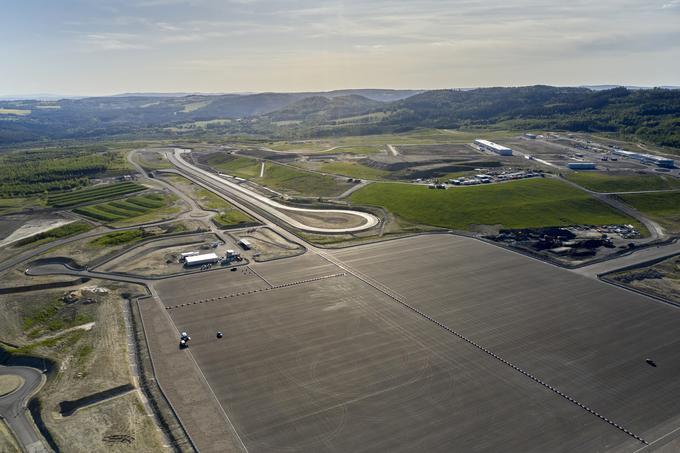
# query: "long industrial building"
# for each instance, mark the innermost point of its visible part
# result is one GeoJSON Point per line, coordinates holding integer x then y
{"type": "Point", "coordinates": [646, 158]}
{"type": "Point", "coordinates": [493, 147]}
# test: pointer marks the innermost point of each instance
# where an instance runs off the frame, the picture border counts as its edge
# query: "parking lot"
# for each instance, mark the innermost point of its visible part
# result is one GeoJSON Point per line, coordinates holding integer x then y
{"type": "Point", "coordinates": [316, 359]}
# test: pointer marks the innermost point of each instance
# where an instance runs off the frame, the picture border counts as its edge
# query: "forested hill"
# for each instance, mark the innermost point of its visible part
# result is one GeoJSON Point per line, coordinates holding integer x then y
{"type": "Point", "coordinates": [650, 114]}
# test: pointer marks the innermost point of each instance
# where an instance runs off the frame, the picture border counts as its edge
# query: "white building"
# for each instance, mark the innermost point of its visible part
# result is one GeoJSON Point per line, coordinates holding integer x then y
{"type": "Point", "coordinates": [208, 258]}
{"type": "Point", "coordinates": [493, 147]}
{"type": "Point", "coordinates": [646, 158]}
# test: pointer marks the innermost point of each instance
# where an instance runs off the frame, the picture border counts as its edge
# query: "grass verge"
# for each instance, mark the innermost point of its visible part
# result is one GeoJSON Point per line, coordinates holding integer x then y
{"type": "Point", "coordinates": [599, 182]}
{"type": "Point", "coordinates": [662, 207]}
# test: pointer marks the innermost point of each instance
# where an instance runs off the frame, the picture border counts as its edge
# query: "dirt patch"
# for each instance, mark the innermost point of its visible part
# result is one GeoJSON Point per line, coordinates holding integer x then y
{"type": "Point", "coordinates": [268, 245]}
{"type": "Point", "coordinates": [661, 279]}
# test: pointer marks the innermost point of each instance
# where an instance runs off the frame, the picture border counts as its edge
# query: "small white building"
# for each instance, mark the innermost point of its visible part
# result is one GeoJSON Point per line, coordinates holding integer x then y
{"type": "Point", "coordinates": [197, 260]}
{"type": "Point", "coordinates": [245, 244]}
{"type": "Point", "coordinates": [486, 145]}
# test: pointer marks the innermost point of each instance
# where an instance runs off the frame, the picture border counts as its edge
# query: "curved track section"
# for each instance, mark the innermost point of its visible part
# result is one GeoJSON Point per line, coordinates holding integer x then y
{"type": "Point", "coordinates": [272, 207]}
{"type": "Point", "coordinates": [13, 407]}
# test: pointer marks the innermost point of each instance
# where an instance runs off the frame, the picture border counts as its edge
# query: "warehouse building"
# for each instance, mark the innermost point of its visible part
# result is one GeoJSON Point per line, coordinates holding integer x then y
{"type": "Point", "coordinates": [581, 165]}
{"type": "Point", "coordinates": [646, 158]}
{"type": "Point", "coordinates": [196, 260]}
{"type": "Point", "coordinates": [493, 147]}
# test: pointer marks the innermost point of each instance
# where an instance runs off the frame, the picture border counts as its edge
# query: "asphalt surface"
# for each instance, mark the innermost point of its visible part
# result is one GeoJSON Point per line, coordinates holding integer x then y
{"type": "Point", "coordinates": [415, 344]}
{"type": "Point", "coordinates": [635, 258]}
{"type": "Point", "coordinates": [13, 408]}
{"type": "Point", "coordinates": [269, 205]}
{"type": "Point", "coordinates": [429, 342]}
{"type": "Point", "coordinates": [582, 336]}
{"type": "Point", "coordinates": [332, 364]}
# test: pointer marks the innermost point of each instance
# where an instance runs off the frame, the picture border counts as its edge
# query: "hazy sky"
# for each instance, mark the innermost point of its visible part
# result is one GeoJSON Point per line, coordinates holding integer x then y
{"type": "Point", "coordinates": [111, 46]}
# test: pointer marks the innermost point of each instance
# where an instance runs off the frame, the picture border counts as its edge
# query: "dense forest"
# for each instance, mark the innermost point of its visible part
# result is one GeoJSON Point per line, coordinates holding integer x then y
{"type": "Point", "coordinates": [38, 171]}
{"type": "Point", "coordinates": [647, 114]}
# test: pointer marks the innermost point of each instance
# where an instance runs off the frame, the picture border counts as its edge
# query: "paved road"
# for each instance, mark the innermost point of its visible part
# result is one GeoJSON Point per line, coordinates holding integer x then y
{"type": "Point", "coordinates": [13, 408]}
{"type": "Point", "coordinates": [638, 257]}
{"type": "Point", "coordinates": [268, 205]}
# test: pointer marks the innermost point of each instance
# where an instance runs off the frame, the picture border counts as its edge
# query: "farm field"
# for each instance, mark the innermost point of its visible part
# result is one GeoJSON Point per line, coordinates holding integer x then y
{"type": "Point", "coordinates": [137, 209]}
{"type": "Point", "coordinates": [93, 194]}
{"type": "Point", "coordinates": [662, 207]}
{"type": "Point", "coordinates": [17, 112]}
{"type": "Point", "coordinates": [600, 182]}
{"type": "Point", "coordinates": [518, 204]}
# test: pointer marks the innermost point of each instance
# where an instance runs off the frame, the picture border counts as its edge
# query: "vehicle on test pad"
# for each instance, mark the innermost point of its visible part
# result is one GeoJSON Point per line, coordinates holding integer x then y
{"type": "Point", "coordinates": [184, 340]}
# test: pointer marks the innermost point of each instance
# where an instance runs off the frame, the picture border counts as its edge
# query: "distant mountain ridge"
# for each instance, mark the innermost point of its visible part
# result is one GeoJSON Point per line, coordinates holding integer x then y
{"type": "Point", "coordinates": [650, 114]}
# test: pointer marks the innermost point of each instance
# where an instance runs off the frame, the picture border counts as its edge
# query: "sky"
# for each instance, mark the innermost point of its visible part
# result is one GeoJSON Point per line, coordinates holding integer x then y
{"type": "Point", "coordinates": [100, 47]}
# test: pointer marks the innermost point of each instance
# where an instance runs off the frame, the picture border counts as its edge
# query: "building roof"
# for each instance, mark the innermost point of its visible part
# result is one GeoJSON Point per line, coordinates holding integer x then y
{"type": "Point", "coordinates": [493, 145]}
{"type": "Point", "coordinates": [201, 258]}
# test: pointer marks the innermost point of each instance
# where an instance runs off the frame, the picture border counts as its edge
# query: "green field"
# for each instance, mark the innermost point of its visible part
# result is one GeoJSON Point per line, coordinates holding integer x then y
{"type": "Point", "coordinates": [233, 218]}
{"type": "Point", "coordinates": [93, 194]}
{"type": "Point", "coordinates": [359, 149]}
{"type": "Point", "coordinates": [228, 216]}
{"type": "Point", "coordinates": [600, 182]}
{"type": "Point", "coordinates": [18, 112]}
{"type": "Point", "coordinates": [282, 178]}
{"type": "Point", "coordinates": [521, 204]}
{"type": "Point", "coordinates": [662, 207]}
{"type": "Point", "coordinates": [118, 238]}
{"type": "Point", "coordinates": [288, 179]}
{"type": "Point", "coordinates": [354, 170]}
{"type": "Point", "coordinates": [242, 167]}
{"type": "Point", "coordinates": [138, 209]}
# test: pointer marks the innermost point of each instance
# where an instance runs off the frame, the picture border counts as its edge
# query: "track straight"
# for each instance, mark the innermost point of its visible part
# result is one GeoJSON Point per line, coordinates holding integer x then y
{"type": "Point", "coordinates": [401, 300]}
